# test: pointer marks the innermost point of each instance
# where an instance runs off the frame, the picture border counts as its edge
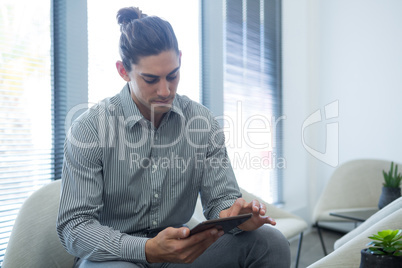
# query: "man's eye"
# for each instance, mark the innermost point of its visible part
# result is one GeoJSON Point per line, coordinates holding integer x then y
{"type": "Point", "coordinates": [152, 81]}
{"type": "Point", "coordinates": [171, 78]}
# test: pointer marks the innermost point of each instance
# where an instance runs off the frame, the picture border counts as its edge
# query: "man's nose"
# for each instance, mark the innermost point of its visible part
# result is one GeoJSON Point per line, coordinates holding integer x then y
{"type": "Point", "coordinates": [163, 88]}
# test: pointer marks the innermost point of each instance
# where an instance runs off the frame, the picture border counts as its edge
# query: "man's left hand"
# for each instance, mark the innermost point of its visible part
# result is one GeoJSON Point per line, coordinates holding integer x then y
{"type": "Point", "coordinates": [242, 207]}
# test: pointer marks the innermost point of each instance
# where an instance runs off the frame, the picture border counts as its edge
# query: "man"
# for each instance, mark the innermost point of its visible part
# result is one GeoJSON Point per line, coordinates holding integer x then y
{"type": "Point", "coordinates": [135, 164]}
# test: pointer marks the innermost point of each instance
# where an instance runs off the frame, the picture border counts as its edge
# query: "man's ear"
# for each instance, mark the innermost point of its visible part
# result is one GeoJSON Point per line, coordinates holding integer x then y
{"type": "Point", "coordinates": [122, 71]}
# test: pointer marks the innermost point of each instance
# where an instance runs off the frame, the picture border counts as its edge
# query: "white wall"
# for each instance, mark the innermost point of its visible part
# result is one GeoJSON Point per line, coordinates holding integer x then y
{"type": "Point", "coordinates": [348, 51]}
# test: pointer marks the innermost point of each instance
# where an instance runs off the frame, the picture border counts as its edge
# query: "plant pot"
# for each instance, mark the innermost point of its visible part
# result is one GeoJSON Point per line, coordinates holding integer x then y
{"type": "Point", "coordinates": [388, 195]}
{"type": "Point", "coordinates": [369, 260]}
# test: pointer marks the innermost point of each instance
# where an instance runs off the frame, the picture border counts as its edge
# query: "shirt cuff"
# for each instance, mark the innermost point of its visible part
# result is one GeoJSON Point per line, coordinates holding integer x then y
{"type": "Point", "coordinates": [236, 231]}
{"type": "Point", "coordinates": [222, 206]}
{"type": "Point", "coordinates": [133, 248]}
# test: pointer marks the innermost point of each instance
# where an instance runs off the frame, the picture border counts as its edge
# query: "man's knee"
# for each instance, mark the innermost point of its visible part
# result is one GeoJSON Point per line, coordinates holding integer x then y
{"type": "Point", "coordinates": [274, 235]}
{"type": "Point", "coordinates": [269, 236]}
{"type": "Point", "coordinates": [264, 247]}
{"type": "Point", "coordinates": [269, 246]}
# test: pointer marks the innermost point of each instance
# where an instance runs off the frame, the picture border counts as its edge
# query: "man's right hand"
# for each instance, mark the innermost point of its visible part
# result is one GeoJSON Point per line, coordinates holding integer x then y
{"type": "Point", "coordinates": [174, 245]}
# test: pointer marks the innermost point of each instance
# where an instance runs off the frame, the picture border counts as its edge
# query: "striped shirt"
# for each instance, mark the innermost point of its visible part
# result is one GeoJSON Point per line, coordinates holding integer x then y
{"type": "Point", "coordinates": [123, 178]}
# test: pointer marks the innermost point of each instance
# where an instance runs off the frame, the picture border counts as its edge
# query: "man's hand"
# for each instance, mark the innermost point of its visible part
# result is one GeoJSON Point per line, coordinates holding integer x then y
{"type": "Point", "coordinates": [175, 246]}
{"type": "Point", "coordinates": [242, 207]}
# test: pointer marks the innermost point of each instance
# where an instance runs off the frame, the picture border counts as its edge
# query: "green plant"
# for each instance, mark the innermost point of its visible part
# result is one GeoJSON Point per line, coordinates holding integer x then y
{"type": "Point", "coordinates": [392, 178]}
{"type": "Point", "coordinates": [386, 242]}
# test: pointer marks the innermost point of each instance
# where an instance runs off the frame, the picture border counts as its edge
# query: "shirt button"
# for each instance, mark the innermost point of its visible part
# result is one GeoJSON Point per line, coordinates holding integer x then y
{"type": "Point", "coordinates": [154, 223]}
{"type": "Point", "coordinates": [154, 167]}
{"type": "Point", "coordinates": [156, 195]}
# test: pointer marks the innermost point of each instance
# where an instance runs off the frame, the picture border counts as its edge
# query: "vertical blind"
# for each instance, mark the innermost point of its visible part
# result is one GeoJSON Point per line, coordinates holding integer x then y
{"type": "Point", "coordinates": [25, 110]}
{"type": "Point", "coordinates": [70, 67]}
{"type": "Point", "coordinates": [59, 105]}
{"type": "Point", "coordinates": [252, 94]}
{"type": "Point", "coordinates": [43, 74]}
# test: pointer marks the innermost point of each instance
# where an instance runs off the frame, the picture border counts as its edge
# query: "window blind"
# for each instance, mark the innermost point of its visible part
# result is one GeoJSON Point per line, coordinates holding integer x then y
{"type": "Point", "coordinates": [59, 108]}
{"type": "Point", "coordinates": [25, 97]}
{"type": "Point", "coordinates": [43, 78]}
{"type": "Point", "coordinates": [252, 94]}
{"type": "Point", "coordinates": [248, 53]}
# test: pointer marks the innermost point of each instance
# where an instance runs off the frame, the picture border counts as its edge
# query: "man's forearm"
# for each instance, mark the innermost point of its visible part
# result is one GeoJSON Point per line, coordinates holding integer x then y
{"type": "Point", "coordinates": [92, 241]}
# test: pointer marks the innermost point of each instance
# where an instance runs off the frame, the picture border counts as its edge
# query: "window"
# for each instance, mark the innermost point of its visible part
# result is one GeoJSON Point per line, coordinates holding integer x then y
{"type": "Point", "coordinates": [38, 89]}
{"type": "Point", "coordinates": [250, 69]}
{"type": "Point", "coordinates": [26, 104]}
{"type": "Point", "coordinates": [104, 33]}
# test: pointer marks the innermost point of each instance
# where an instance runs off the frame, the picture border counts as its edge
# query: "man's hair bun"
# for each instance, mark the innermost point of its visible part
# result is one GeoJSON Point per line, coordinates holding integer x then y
{"type": "Point", "coordinates": [128, 14]}
{"type": "Point", "coordinates": [143, 36]}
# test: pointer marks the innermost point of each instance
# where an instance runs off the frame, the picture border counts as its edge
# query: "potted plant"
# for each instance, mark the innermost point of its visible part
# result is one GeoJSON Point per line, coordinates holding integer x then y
{"type": "Point", "coordinates": [391, 189]}
{"type": "Point", "coordinates": [384, 251]}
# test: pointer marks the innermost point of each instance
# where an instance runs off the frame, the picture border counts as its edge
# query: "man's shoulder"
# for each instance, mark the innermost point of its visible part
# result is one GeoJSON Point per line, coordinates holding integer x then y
{"type": "Point", "coordinates": [103, 110]}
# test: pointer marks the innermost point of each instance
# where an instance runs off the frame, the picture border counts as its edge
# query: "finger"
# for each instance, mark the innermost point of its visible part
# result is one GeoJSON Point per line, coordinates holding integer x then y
{"type": "Point", "coordinates": [198, 248]}
{"type": "Point", "coordinates": [267, 219]}
{"type": "Point", "coordinates": [184, 232]}
{"type": "Point", "coordinates": [259, 207]}
{"type": "Point", "coordinates": [256, 206]}
{"type": "Point", "coordinates": [263, 209]}
{"type": "Point", "coordinates": [211, 234]}
{"type": "Point", "coordinates": [196, 244]}
{"type": "Point", "coordinates": [201, 236]}
{"type": "Point", "coordinates": [194, 251]}
{"type": "Point", "coordinates": [256, 222]}
{"type": "Point", "coordinates": [271, 221]}
{"type": "Point", "coordinates": [177, 233]}
{"type": "Point", "coordinates": [237, 207]}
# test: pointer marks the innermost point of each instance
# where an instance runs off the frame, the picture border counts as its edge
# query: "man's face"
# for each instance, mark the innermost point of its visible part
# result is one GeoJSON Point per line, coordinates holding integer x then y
{"type": "Point", "coordinates": [153, 83]}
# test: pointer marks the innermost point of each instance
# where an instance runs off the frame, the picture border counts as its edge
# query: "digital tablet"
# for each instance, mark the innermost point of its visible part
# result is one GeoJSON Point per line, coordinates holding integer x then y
{"type": "Point", "coordinates": [225, 224]}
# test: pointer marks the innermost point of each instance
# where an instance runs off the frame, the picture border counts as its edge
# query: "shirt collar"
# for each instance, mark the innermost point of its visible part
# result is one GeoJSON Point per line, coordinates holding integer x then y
{"type": "Point", "coordinates": [176, 106]}
{"type": "Point", "coordinates": [132, 114]}
{"type": "Point", "coordinates": [130, 110]}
